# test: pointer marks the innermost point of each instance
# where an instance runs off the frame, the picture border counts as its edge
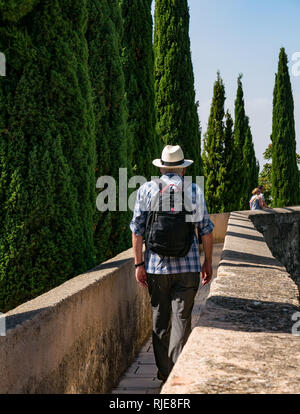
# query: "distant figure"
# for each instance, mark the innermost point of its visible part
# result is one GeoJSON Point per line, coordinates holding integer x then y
{"type": "Point", "coordinates": [256, 202]}
{"type": "Point", "coordinates": [262, 190]}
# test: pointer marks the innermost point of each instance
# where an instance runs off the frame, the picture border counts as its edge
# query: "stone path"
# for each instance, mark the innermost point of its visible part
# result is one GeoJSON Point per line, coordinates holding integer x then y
{"type": "Point", "coordinates": [140, 378]}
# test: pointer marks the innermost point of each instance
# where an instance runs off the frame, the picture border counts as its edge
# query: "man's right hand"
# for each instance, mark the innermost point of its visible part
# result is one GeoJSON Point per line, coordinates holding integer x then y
{"type": "Point", "coordinates": [141, 276]}
{"type": "Point", "coordinates": [206, 272]}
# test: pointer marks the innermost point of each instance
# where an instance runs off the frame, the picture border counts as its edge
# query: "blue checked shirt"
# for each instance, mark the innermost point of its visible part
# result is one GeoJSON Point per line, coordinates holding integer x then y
{"type": "Point", "coordinates": [157, 264]}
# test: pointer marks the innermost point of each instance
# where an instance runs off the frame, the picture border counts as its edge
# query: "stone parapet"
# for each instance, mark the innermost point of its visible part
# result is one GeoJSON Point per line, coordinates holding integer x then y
{"type": "Point", "coordinates": [220, 221]}
{"type": "Point", "coordinates": [79, 337]}
{"type": "Point", "coordinates": [243, 341]}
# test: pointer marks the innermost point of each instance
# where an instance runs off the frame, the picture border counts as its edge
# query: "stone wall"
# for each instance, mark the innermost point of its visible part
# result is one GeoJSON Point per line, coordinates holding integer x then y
{"type": "Point", "coordinates": [79, 337]}
{"type": "Point", "coordinates": [281, 231]}
{"type": "Point", "coordinates": [220, 221]}
{"type": "Point", "coordinates": [244, 340]}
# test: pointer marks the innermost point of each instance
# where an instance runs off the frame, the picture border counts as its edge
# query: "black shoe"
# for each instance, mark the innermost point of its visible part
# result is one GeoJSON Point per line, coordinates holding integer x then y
{"type": "Point", "coordinates": [161, 377]}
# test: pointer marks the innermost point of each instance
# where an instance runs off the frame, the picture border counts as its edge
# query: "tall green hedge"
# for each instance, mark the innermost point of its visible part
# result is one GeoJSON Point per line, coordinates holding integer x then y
{"type": "Point", "coordinates": [14, 10]}
{"type": "Point", "coordinates": [177, 117]}
{"type": "Point", "coordinates": [138, 65]}
{"type": "Point", "coordinates": [113, 139]}
{"type": "Point", "coordinates": [47, 151]}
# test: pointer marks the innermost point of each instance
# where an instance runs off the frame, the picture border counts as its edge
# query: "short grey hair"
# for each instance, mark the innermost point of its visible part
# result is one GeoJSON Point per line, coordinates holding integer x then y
{"type": "Point", "coordinates": [171, 170]}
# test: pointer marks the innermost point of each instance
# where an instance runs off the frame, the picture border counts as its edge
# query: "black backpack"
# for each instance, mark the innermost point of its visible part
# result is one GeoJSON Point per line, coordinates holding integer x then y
{"type": "Point", "coordinates": [168, 233]}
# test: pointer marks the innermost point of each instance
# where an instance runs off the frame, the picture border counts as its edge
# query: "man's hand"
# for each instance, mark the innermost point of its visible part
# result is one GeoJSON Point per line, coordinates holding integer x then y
{"type": "Point", "coordinates": [140, 272]}
{"type": "Point", "coordinates": [206, 272]}
{"type": "Point", "coordinates": [141, 276]}
{"type": "Point", "coordinates": [207, 242]}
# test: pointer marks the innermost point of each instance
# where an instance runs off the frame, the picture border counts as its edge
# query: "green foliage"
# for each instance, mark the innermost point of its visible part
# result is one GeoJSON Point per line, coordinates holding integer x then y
{"type": "Point", "coordinates": [246, 167]}
{"type": "Point", "coordinates": [47, 152]}
{"type": "Point", "coordinates": [240, 129]}
{"type": "Point", "coordinates": [250, 169]}
{"type": "Point", "coordinates": [229, 194]}
{"type": "Point", "coordinates": [265, 177]}
{"type": "Point", "coordinates": [213, 151]}
{"type": "Point", "coordinates": [104, 33]}
{"type": "Point", "coordinates": [266, 180]}
{"type": "Point", "coordinates": [176, 110]}
{"type": "Point", "coordinates": [138, 65]}
{"type": "Point", "coordinates": [285, 176]}
{"type": "Point", "coordinates": [219, 156]}
{"type": "Point", "coordinates": [14, 10]}
{"type": "Point", "coordinates": [240, 123]}
{"type": "Point", "coordinates": [268, 152]}
{"type": "Point", "coordinates": [230, 166]}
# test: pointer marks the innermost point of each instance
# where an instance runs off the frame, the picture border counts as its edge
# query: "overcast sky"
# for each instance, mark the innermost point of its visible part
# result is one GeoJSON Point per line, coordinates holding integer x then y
{"type": "Point", "coordinates": [244, 36]}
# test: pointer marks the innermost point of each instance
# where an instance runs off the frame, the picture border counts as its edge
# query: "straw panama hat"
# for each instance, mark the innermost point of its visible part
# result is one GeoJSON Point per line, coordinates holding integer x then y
{"type": "Point", "coordinates": [172, 157]}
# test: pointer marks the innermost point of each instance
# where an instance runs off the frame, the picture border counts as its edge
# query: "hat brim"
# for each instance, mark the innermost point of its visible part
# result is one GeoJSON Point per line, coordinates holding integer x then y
{"type": "Point", "coordinates": [158, 163]}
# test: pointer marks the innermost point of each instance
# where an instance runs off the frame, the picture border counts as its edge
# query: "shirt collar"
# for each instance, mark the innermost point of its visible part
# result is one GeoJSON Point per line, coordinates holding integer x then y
{"type": "Point", "coordinates": [172, 174]}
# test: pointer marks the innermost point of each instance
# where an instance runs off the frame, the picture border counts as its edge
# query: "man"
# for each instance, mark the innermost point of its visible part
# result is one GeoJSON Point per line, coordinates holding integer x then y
{"type": "Point", "coordinates": [172, 281]}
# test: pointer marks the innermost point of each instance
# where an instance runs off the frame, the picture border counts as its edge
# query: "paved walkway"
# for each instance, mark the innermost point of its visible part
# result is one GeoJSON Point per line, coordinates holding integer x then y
{"type": "Point", "coordinates": [140, 378]}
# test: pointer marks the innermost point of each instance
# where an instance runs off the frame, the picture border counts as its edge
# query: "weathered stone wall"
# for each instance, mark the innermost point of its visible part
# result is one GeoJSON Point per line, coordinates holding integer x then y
{"type": "Point", "coordinates": [281, 231]}
{"type": "Point", "coordinates": [220, 221]}
{"type": "Point", "coordinates": [244, 342]}
{"type": "Point", "coordinates": [79, 337]}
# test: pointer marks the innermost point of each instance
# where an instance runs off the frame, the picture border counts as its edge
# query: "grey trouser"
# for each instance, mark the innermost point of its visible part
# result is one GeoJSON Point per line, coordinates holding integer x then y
{"type": "Point", "coordinates": [172, 299]}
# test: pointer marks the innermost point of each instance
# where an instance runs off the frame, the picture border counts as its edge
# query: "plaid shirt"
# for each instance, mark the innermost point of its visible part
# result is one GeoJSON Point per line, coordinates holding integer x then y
{"type": "Point", "coordinates": [157, 264]}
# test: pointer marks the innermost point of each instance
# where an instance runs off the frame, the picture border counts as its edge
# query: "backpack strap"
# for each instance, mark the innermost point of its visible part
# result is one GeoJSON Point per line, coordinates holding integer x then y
{"type": "Point", "coordinates": [160, 197]}
{"type": "Point", "coordinates": [159, 183]}
{"type": "Point", "coordinates": [162, 189]}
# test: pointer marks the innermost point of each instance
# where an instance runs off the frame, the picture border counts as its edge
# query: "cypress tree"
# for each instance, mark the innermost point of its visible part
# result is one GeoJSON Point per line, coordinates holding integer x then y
{"type": "Point", "coordinates": [240, 123]}
{"type": "Point", "coordinates": [176, 110]}
{"type": "Point", "coordinates": [229, 197]}
{"type": "Point", "coordinates": [104, 35]}
{"type": "Point", "coordinates": [285, 176]}
{"type": "Point", "coordinates": [213, 151]}
{"type": "Point", "coordinates": [246, 167]}
{"type": "Point", "coordinates": [47, 151]}
{"type": "Point", "coordinates": [240, 129]}
{"type": "Point", "coordinates": [138, 65]}
{"type": "Point", "coordinates": [250, 168]}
